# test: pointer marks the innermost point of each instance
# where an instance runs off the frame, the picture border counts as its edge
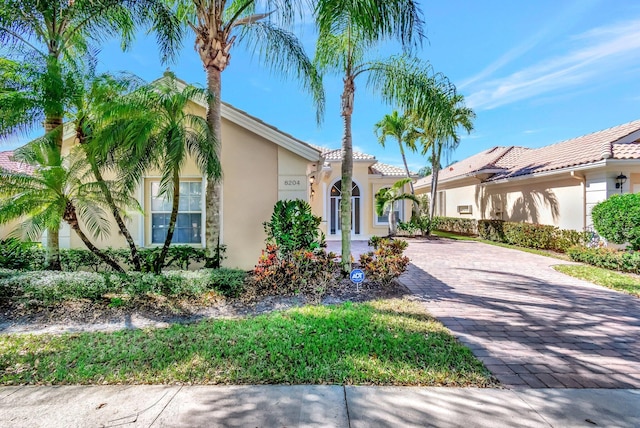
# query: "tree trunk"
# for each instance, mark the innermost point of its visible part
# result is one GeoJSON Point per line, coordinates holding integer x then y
{"type": "Point", "coordinates": [135, 256]}
{"type": "Point", "coordinates": [71, 218]}
{"type": "Point", "coordinates": [414, 204]}
{"type": "Point", "coordinates": [347, 173]}
{"type": "Point", "coordinates": [214, 186]}
{"type": "Point", "coordinates": [435, 169]}
{"type": "Point", "coordinates": [393, 224]}
{"type": "Point", "coordinates": [157, 265]}
{"type": "Point", "coordinates": [53, 114]}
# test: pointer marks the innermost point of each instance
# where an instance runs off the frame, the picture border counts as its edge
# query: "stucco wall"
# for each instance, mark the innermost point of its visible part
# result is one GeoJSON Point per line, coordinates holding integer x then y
{"type": "Point", "coordinates": [250, 189]}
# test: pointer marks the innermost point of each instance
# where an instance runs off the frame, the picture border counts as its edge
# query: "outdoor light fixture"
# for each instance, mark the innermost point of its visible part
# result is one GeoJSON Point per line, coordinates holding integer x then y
{"type": "Point", "coordinates": [620, 180]}
{"type": "Point", "coordinates": [311, 180]}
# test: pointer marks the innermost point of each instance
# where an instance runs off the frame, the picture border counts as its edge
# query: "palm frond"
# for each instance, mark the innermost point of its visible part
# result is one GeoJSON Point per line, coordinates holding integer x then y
{"type": "Point", "coordinates": [281, 52]}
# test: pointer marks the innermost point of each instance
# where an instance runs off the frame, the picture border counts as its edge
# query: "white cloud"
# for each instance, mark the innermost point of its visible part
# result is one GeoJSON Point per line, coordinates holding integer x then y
{"type": "Point", "coordinates": [596, 53]}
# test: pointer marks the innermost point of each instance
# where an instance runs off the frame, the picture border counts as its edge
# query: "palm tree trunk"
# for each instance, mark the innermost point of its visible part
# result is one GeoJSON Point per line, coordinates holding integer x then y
{"type": "Point", "coordinates": [214, 187]}
{"type": "Point", "coordinates": [159, 262]}
{"type": "Point", "coordinates": [435, 169]}
{"type": "Point", "coordinates": [71, 217]}
{"type": "Point", "coordinates": [347, 173]}
{"type": "Point", "coordinates": [406, 167]}
{"type": "Point", "coordinates": [414, 205]}
{"type": "Point", "coordinates": [135, 256]}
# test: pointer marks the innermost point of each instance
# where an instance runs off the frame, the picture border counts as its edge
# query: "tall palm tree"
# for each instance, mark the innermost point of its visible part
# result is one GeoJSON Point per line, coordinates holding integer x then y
{"type": "Point", "coordinates": [387, 197]}
{"type": "Point", "coordinates": [56, 190]}
{"type": "Point", "coordinates": [219, 25]}
{"type": "Point", "coordinates": [54, 35]}
{"type": "Point", "coordinates": [348, 30]}
{"type": "Point", "coordinates": [398, 127]}
{"type": "Point", "coordinates": [439, 133]}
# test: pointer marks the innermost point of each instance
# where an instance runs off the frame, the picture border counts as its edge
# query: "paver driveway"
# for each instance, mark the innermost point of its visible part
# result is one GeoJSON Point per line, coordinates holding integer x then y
{"type": "Point", "coordinates": [530, 325]}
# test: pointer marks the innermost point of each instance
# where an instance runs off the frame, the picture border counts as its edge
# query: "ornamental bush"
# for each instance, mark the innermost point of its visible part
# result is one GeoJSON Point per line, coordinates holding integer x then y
{"type": "Point", "coordinates": [386, 262]}
{"type": "Point", "coordinates": [528, 235]}
{"type": "Point", "coordinates": [607, 258]}
{"type": "Point", "coordinates": [306, 272]}
{"type": "Point", "coordinates": [465, 226]}
{"type": "Point", "coordinates": [293, 227]}
{"type": "Point", "coordinates": [618, 219]}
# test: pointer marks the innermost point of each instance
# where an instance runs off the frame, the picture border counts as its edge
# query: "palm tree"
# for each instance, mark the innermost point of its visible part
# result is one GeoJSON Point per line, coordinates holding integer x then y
{"type": "Point", "coordinates": [57, 190]}
{"type": "Point", "coordinates": [51, 36]}
{"type": "Point", "coordinates": [218, 26]}
{"type": "Point", "coordinates": [105, 116]}
{"type": "Point", "coordinates": [386, 199]}
{"type": "Point", "coordinates": [399, 127]}
{"type": "Point", "coordinates": [348, 30]}
{"type": "Point", "coordinates": [162, 135]}
{"type": "Point", "coordinates": [439, 133]}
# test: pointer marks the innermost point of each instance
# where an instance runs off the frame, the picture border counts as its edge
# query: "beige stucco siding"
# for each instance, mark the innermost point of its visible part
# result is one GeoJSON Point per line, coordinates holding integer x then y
{"type": "Point", "coordinates": [293, 177]}
{"type": "Point", "coordinates": [250, 190]}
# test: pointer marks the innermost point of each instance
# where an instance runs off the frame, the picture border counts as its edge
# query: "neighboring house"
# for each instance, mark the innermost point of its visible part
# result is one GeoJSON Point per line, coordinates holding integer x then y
{"type": "Point", "coordinates": [261, 165]}
{"type": "Point", "coordinates": [557, 184]}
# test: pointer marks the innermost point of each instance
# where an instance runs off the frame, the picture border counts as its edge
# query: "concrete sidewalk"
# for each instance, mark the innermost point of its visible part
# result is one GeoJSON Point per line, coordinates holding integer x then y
{"type": "Point", "coordinates": [321, 406]}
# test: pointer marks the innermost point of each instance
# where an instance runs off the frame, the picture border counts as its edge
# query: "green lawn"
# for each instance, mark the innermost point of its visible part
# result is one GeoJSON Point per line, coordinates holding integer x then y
{"type": "Point", "coordinates": [389, 342]}
{"type": "Point", "coordinates": [607, 278]}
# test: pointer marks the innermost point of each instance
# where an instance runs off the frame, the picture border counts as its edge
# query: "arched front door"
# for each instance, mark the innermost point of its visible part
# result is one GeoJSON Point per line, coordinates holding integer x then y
{"type": "Point", "coordinates": [335, 195]}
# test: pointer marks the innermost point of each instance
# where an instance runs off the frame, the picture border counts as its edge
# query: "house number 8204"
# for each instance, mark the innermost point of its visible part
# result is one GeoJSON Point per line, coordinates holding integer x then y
{"type": "Point", "coordinates": [291, 182]}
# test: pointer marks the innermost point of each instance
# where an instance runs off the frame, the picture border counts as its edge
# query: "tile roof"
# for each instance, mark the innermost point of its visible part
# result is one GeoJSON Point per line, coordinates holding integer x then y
{"type": "Point", "coordinates": [336, 155]}
{"type": "Point", "coordinates": [618, 142]}
{"type": "Point", "coordinates": [389, 170]}
{"type": "Point", "coordinates": [7, 163]}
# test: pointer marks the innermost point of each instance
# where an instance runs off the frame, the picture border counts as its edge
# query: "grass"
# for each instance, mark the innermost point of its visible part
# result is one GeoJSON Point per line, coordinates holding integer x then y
{"type": "Point", "coordinates": [388, 342]}
{"type": "Point", "coordinates": [607, 278]}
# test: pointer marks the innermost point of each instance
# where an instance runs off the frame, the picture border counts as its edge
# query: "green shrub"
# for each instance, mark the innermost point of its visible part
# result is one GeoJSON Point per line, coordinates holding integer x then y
{"type": "Point", "coordinates": [618, 219]}
{"type": "Point", "coordinates": [46, 288]}
{"type": "Point", "coordinates": [293, 227]}
{"type": "Point", "coordinates": [386, 262]}
{"type": "Point", "coordinates": [15, 254]}
{"type": "Point", "coordinates": [607, 258]}
{"type": "Point", "coordinates": [464, 226]}
{"type": "Point", "coordinates": [410, 228]}
{"type": "Point", "coordinates": [538, 236]}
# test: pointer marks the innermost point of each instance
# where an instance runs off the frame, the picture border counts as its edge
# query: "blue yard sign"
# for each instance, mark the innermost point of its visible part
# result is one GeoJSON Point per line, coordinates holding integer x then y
{"type": "Point", "coordinates": [356, 276]}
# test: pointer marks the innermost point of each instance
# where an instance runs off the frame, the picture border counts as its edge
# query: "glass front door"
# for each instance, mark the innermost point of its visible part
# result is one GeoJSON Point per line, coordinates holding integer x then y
{"type": "Point", "coordinates": [335, 197]}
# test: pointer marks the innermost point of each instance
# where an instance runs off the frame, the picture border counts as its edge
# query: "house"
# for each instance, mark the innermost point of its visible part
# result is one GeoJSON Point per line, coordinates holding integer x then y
{"type": "Point", "coordinates": [557, 184]}
{"type": "Point", "coordinates": [369, 176]}
{"type": "Point", "coordinates": [261, 165]}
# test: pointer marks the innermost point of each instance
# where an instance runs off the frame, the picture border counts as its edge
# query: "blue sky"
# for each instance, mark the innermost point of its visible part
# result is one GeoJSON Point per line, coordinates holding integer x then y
{"type": "Point", "coordinates": [534, 72]}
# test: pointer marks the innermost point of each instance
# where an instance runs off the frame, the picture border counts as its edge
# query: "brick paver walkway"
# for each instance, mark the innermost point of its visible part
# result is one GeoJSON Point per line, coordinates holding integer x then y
{"type": "Point", "coordinates": [530, 325]}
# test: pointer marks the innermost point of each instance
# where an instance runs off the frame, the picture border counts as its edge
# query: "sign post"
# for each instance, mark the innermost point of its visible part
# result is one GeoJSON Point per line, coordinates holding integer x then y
{"type": "Point", "coordinates": [357, 276]}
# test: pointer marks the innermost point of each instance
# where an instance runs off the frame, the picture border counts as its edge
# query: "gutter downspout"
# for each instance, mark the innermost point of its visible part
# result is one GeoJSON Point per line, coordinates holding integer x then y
{"type": "Point", "coordinates": [583, 184]}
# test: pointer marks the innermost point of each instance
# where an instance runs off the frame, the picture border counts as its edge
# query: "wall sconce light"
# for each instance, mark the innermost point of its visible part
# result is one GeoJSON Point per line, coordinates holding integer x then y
{"type": "Point", "coordinates": [312, 179]}
{"type": "Point", "coordinates": [620, 180]}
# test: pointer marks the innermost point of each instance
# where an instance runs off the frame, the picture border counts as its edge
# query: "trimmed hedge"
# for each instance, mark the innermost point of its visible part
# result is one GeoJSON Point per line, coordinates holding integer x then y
{"type": "Point", "coordinates": [539, 236]}
{"type": "Point", "coordinates": [46, 287]}
{"type": "Point", "coordinates": [464, 226]}
{"type": "Point", "coordinates": [31, 256]}
{"type": "Point", "coordinates": [607, 258]}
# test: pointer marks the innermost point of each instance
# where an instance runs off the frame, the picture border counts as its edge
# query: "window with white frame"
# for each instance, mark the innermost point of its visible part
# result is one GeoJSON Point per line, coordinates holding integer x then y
{"type": "Point", "coordinates": [188, 228]}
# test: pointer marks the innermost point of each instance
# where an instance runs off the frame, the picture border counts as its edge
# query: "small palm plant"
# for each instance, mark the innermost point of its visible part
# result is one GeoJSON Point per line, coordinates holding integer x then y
{"type": "Point", "coordinates": [57, 189]}
{"type": "Point", "coordinates": [387, 197]}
